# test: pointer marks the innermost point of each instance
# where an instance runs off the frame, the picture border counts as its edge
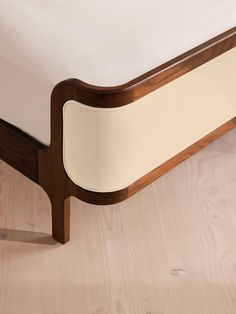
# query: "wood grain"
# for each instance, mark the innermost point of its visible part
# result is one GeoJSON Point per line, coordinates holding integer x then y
{"type": "Point", "coordinates": [169, 249]}
{"type": "Point", "coordinates": [19, 150]}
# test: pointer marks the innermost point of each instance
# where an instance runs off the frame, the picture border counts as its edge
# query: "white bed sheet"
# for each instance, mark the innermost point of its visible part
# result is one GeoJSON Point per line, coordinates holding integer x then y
{"type": "Point", "coordinates": [100, 42]}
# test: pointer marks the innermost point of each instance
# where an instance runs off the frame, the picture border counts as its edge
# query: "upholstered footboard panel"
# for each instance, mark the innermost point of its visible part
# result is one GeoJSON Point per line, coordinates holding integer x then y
{"type": "Point", "coordinates": [107, 149]}
{"type": "Point", "coordinates": [109, 142]}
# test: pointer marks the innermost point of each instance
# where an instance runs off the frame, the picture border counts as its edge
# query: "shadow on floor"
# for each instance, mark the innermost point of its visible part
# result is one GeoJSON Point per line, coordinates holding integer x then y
{"type": "Point", "coordinates": [26, 236]}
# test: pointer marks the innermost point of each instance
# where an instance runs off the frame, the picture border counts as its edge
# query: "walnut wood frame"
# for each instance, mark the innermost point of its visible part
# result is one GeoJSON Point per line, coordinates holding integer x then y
{"type": "Point", "coordinates": [44, 165]}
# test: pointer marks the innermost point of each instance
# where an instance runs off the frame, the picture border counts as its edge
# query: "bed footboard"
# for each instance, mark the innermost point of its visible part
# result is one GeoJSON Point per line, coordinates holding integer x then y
{"type": "Point", "coordinates": [108, 143]}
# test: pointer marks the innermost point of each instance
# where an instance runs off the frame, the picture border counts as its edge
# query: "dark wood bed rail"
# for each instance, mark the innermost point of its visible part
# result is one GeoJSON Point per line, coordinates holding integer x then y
{"type": "Point", "coordinates": [19, 150]}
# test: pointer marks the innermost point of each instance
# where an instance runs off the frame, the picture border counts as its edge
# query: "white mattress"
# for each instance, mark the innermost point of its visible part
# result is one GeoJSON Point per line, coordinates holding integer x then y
{"type": "Point", "coordinates": [101, 42]}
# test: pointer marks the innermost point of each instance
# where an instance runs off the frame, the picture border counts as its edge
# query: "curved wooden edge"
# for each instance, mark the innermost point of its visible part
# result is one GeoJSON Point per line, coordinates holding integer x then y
{"type": "Point", "coordinates": [52, 175]}
{"type": "Point", "coordinates": [117, 96]}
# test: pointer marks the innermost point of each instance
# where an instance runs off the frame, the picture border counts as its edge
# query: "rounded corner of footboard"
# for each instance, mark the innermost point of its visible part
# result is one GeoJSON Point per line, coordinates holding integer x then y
{"type": "Point", "coordinates": [93, 95]}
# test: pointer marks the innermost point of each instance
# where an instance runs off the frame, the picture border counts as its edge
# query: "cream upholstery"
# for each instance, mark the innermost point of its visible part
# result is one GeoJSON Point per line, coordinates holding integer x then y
{"type": "Point", "coordinates": [101, 42]}
{"type": "Point", "coordinates": [108, 149]}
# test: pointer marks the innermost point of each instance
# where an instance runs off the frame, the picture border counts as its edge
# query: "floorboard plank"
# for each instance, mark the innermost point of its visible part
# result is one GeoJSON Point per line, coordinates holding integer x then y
{"type": "Point", "coordinates": [170, 249]}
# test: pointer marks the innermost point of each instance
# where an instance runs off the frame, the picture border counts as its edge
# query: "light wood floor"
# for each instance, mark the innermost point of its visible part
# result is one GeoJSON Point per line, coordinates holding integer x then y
{"type": "Point", "coordinates": [169, 249]}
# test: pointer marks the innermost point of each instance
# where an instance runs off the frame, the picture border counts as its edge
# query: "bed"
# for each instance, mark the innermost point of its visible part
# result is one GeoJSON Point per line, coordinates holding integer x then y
{"type": "Point", "coordinates": [98, 99]}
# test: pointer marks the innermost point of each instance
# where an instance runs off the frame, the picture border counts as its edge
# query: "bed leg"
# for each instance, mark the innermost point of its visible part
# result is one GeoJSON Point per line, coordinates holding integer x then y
{"type": "Point", "coordinates": [61, 219]}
